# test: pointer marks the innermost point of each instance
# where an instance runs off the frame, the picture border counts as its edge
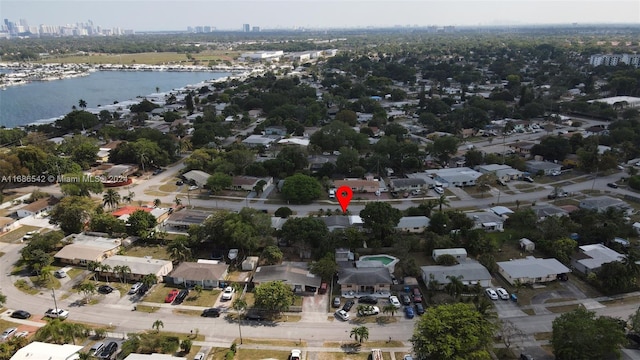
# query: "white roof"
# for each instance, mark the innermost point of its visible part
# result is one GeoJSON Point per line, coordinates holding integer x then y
{"type": "Point", "coordinates": [501, 210]}
{"type": "Point", "coordinates": [598, 255]}
{"type": "Point", "coordinates": [533, 268]}
{"type": "Point", "coordinates": [139, 265]}
{"type": "Point", "coordinates": [294, 141]}
{"type": "Point", "coordinates": [470, 272]}
{"type": "Point", "coordinates": [451, 251]}
{"type": "Point", "coordinates": [45, 351]}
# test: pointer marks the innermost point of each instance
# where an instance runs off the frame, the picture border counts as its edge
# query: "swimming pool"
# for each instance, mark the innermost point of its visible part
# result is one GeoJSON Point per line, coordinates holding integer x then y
{"type": "Point", "coordinates": [386, 260]}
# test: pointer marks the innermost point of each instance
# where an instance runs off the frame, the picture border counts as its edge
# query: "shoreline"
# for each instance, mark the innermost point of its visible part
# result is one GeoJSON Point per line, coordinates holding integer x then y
{"type": "Point", "coordinates": [24, 73]}
{"type": "Point", "coordinates": [122, 105]}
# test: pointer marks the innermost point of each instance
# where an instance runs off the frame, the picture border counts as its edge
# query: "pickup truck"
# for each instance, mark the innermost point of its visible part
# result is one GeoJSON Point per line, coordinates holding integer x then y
{"type": "Point", "coordinates": [56, 314]}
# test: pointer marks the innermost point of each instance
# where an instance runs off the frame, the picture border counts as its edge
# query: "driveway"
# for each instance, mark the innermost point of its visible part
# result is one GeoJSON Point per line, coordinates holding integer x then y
{"type": "Point", "coordinates": [314, 308]}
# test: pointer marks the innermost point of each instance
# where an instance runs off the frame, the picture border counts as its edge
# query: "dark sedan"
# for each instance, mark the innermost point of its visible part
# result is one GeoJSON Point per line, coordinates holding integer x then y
{"type": "Point", "coordinates": [211, 312]}
{"type": "Point", "coordinates": [105, 289]}
{"type": "Point", "coordinates": [181, 296]}
{"type": "Point", "coordinates": [348, 305]}
{"type": "Point", "coordinates": [109, 350]}
{"type": "Point", "coordinates": [368, 300]}
{"type": "Point", "coordinates": [20, 314]}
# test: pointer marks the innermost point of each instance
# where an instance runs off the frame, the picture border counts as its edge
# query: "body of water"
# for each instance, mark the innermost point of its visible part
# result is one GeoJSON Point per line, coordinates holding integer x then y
{"type": "Point", "coordinates": [44, 100]}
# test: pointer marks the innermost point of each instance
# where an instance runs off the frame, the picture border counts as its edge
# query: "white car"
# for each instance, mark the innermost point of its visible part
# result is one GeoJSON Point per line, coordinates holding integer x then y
{"type": "Point", "coordinates": [492, 294]}
{"type": "Point", "coordinates": [193, 187]}
{"type": "Point", "coordinates": [227, 294]}
{"type": "Point", "coordinates": [8, 333]}
{"type": "Point", "coordinates": [369, 310]}
{"type": "Point", "coordinates": [56, 313]}
{"type": "Point", "coordinates": [502, 293]}
{"type": "Point", "coordinates": [22, 334]}
{"type": "Point", "coordinates": [134, 289]}
{"type": "Point", "coordinates": [343, 315]}
{"type": "Point", "coordinates": [439, 190]}
{"type": "Point", "coordinates": [393, 300]}
{"type": "Point", "coordinates": [199, 356]}
{"type": "Point", "coordinates": [295, 354]}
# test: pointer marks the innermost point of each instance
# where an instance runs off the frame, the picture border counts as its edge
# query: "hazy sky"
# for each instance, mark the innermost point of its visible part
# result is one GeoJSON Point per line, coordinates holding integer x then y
{"type": "Point", "coordinates": [142, 15]}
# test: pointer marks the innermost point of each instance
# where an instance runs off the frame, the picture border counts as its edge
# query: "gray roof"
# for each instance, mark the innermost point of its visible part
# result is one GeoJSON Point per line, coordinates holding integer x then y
{"type": "Point", "coordinates": [469, 272]}
{"type": "Point", "coordinates": [291, 274]}
{"type": "Point", "coordinates": [533, 268]}
{"type": "Point", "coordinates": [139, 265]}
{"type": "Point", "coordinates": [596, 255]}
{"type": "Point", "coordinates": [188, 217]}
{"type": "Point", "coordinates": [199, 177]}
{"type": "Point", "coordinates": [410, 222]}
{"type": "Point", "coordinates": [407, 182]}
{"type": "Point", "coordinates": [542, 165]}
{"type": "Point", "coordinates": [602, 203]}
{"type": "Point", "coordinates": [492, 167]}
{"type": "Point", "coordinates": [200, 271]}
{"type": "Point", "coordinates": [548, 210]}
{"type": "Point", "coordinates": [336, 221]}
{"type": "Point", "coordinates": [364, 276]}
{"type": "Point", "coordinates": [483, 217]}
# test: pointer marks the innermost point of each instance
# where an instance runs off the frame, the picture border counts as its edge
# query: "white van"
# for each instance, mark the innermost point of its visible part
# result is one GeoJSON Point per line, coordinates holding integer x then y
{"type": "Point", "coordinates": [332, 193]}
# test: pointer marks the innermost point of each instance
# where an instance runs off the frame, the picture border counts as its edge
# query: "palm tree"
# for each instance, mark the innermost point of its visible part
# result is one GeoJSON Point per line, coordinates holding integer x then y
{"type": "Point", "coordinates": [88, 289]}
{"type": "Point", "coordinates": [455, 286]}
{"type": "Point", "coordinates": [389, 309]}
{"type": "Point", "coordinates": [442, 201]}
{"type": "Point", "coordinates": [198, 290]}
{"type": "Point", "coordinates": [179, 251]}
{"type": "Point", "coordinates": [178, 201]}
{"type": "Point", "coordinates": [129, 197]}
{"type": "Point", "coordinates": [239, 305]}
{"type": "Point", "coordinates": [157, 325]}
{"type": "Point", "coordinates": [124, 271]}
{"type": "Point", "coordinates": [84, 356]}
{"type": "Point", "coordinates": [149, 280]}
{"type": "Point", "coordinates": [360, 333]}
{"type": "Point", "coordinates": [93, 266]}
{"type": "Point", "coordinates": [157, 203]}
{"type": "Point", "coordinates": [117, 270]}
{"type": "Point", "coordinates": [82, 104]}
{"type": "Point", "coordinates": [105, 268]}
{"type": "Point", "coordinates": [111, 198]}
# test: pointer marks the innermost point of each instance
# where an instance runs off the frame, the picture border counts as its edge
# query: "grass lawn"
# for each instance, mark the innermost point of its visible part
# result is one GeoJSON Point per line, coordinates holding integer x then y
{"type": "Point", "coordinates": [17, 234]}
{"type": "Point", "coordinates": [621, 301]}
{"type": "Point", "coordinates": [275, 342]}
{"type": "Point", "coordinates": [542, 336]}
{"type": "Point", "coordinates": [206, 299]}
{"type": "Point", "coordinates": [261, 354]}
{"type": "Point", "coordinates": [383, 319]}
{"type": "Point", "coordinates": [155, 251]}
{"type": "Point", "coordinates": [25, 287]}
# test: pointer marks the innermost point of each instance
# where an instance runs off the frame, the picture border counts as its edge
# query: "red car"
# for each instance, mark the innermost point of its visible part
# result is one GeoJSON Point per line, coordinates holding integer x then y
{"type": "Point", "coordinates": [172, 296]}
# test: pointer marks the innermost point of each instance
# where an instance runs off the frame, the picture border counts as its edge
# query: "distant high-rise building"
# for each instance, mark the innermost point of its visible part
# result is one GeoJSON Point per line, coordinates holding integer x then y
{"type": "Point", "coordinates": [255, 29]}
{"type": "Point", "coordinates": [207, 29]}
{"type": "Point", "coordinates": [246, 28]}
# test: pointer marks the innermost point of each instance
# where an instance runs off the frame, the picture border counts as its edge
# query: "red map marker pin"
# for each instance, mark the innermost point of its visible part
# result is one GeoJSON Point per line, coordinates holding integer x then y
{"type": "Point", "coordinates": [344, 195]}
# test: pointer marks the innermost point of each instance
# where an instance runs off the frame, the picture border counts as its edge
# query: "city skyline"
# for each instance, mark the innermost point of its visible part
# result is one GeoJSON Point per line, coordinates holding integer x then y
{"type": "Point", "coordinates": [171, 15]}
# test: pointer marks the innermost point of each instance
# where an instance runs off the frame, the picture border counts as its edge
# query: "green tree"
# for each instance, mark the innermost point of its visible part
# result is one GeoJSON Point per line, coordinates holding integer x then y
{"type": "Point", "coordinates": [82, 104]}
{"type": "Point", "coordinates": [272, 255]}
{"type": "Point", "coordinates": [273, 296]}
{"type": "Point", "coordinates": [219, 181]}
{"type": "Point", "coordinates": [389, 309]}
{"type": "Point", "coordinates": [283, 212]}
{"type": "Point", "coordinates": [381, 218]}
{"type": "Point", "coordinates": [111, 198]}
{"type": "Point", "coordinates": [71, 213]}
{"type": "Point", "coordinates": [157, 325]}
{"type": "Point", "coordinates": [88, 289]}
{"type": "Point", "coordinates": [580, 335]}
{"type": "Point", "coordinates": [326, 267]}
{"type": "Point", "coordinates": [359, 334]}
{"type": "Point", "coordinates": [140, 222]}
{"type": "Point", "coordinates": [469, 334]}
{"type": "Point", "coordinates": [149, 280]}
{"type": "Point", "coordinates": [60, 332]}
{"type": "Point", "coordinates": [186, 345]}
{"type": "Point", "coordinates": [79, 184]}
{"type": "Point", "coordinates": [301, 189]}
{"type": "Point", "coordinates": [485, 182]}
{"type": "Point", "coordinates": [562, 249]}
{"type": "Point", "coordinates": [179, 250]}
{"type": "Point", "coordinates": [107, 223]}
{"type": "Point", "coordinates": [634, 322]}
{"type": "Point", "coordinates": [443, 148]}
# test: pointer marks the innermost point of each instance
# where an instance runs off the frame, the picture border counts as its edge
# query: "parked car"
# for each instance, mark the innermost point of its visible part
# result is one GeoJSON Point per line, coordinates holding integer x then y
{"type": "Point", "coordinates": [135, 288]}
{"type": "Point", "coordinates": [407, 357]}
{"type": "Point", "coordinates": [393, 300]}
{"type": "Point", "coordinates": [343, 315]}
{"type": "Point", "coordinates": [254, 315]}
{"type": "Point", "coordinates": [492, 294]}
{"type": "Point", "coordinates": [336, 302]}
{"type": "Point", "coordinates": [179, 183]}
{"type": "Point", "coordinates": [108, 351]}
{"type": "Point", "coordinates": [369, 310]}
{"type": "Point", "coordinates": [438, 190]}
{"type": "Point", "coordinates": [526, 357]}
{"type": "Point", "coordinates": [193, 187]}
{"type": "Point", "coordinates": [105, 289]}
{"type": "Point", "coordinates": [8, 333]}
{"type": "Point", "coordinates": [528, 179]}
{"type": "Point", "coordinates": [199, 356]}
{"type": "Point", "coordinates": [417, 296]}
{"type": "Point", "coordinates": [56, 314]}
{"type": "Point", "coordinates": [348, 305]}
{"type": "Point", "coordinates": [405, 299]}
{"type": "Point", "coordinates": [295, 354]}
{"type": "Point", "coordinates": [142, 289]}
{"type": "Point", "coordinates": [171, 296]}
{"type": "Point", "coordinates": [96, 349]}
{"type": "Point", "coordinates": [20, 314]}
{"type": "Point", "coordinates": [227, 294]}
{"type": "Point", "coordinates": [502, 293]}
{"type": "Point", "coordinates": [612, 185]}
{"type": "Point", "coordinates": [408, 311]}
{"type": "Point", "coordinates": [368, 300]}
{"type": "Point", "coordinates": [181, 296]}
{"type": "Point", "coordinates": [211, 312]}
{"type": "Point", "coordinates": [323, 288]}
{"type": "Point", "coordinates": [419, 309]}
{"type": "Point", "coordinates": [22, 334]}
{"type": "Point", "coordinates": [233, 254]}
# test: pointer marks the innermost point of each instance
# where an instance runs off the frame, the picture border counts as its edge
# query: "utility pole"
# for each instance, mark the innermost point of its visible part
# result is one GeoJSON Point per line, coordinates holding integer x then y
{"type": "Point", "coordinates": [55, 303]}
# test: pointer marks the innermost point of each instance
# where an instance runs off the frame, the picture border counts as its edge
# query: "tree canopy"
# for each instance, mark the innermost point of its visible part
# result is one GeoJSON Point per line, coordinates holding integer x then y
{"type": "Point", "coordinates": [273, 296]}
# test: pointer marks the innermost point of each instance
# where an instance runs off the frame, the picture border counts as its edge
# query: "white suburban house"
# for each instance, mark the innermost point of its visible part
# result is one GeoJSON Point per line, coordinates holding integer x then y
{"type": "Point", "coordinates": [470, 272]}
{"type": "Point", "coordinates": [531, 270]}
{"type": "Point", "coordinates": [590, 258]}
